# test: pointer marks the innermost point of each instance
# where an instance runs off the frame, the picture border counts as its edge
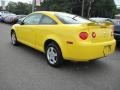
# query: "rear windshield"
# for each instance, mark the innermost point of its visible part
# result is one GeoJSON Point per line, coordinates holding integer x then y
{"type": "Point", "coordinates": [71, 19]}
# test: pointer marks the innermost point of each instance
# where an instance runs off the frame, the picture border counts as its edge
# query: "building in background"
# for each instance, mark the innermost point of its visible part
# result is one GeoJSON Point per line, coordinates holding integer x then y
{"type": "Point", "coordinates": [3, 4]}
{"type": "Point", "coordinates": [38, 2]}
{"type": "Point", "coordinates": [117, 16]}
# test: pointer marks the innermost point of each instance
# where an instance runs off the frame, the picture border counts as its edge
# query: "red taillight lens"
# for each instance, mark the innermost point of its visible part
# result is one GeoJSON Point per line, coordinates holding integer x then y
{"type": "Point", "coordinates": [83, 35]}
{"type": "Point", "coordinates": [93, 34]}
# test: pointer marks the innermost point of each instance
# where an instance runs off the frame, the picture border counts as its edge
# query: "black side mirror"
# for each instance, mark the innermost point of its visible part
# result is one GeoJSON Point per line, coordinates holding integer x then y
{"type": "Point", "coordinates": [15, 21]}
{"type": "Point", "coordinates": [21, 23]}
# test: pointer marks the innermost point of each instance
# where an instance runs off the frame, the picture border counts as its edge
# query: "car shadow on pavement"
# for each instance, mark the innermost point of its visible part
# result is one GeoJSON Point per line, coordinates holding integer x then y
{"type": "Point", "coordinates": [28, 51]}
{"type": "Point", "coordinates": [85, 67]}
{"type": "Point", "coordinates": [97, 65]}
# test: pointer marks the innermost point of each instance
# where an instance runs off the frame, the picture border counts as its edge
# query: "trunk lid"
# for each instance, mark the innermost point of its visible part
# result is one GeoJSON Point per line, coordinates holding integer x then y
{"type": "Point", "coordinates": [100, 33]}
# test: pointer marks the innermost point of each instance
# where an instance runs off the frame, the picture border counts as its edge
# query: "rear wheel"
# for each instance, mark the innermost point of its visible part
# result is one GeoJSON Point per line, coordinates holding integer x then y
{"type": "Point", "coordinates": [54, 55]}
{"type": "Point", "coordinates": [14, 38]}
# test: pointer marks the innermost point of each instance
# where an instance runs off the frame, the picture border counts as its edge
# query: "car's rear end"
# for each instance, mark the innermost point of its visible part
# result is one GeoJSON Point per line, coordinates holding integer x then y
{"type": "Point", "coordinates": [91, 41]}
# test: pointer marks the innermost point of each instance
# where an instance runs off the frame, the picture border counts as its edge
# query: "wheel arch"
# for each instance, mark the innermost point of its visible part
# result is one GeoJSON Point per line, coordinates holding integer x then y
{"type": "Point", "coordinates": [57, 41]}
{"type": "Point", "coordinates": [12, 30]}
{"type": "Point", "coordinates": [48, 41]}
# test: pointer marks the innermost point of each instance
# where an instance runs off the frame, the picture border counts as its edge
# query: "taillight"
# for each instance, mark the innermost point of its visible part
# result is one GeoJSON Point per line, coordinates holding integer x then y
{"type": "Point", "coordinates": [83, 35]}
{"type": "Point", "coordinates": [93, 34]}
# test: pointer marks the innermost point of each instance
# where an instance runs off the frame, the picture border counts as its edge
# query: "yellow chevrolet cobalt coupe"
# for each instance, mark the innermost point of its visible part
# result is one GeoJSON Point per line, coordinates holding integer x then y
{"type": "Point", "coordinates": [63, 36]}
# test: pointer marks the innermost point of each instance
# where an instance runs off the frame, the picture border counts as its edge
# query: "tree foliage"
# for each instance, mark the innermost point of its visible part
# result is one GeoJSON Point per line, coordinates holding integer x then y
{"type": "Point", "coordinates": [98, 8]}
{"type": "Point", "coordinates": [104, 8]}
{"type": "Point", "coordinates": [19, 8]}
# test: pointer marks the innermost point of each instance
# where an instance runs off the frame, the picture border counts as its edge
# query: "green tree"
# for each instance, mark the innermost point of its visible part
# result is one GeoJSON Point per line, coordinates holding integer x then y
{"type": "Point", "coordinates": [12, 7]}
{"type": "Point", "coordinates": [98, 8]}
{"type": "Point", "coordinates": [104, 8]}
{"type": "Point", "coordinates": [19, 8]}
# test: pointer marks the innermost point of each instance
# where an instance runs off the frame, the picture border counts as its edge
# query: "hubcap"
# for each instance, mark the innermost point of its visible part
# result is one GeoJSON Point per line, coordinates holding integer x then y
{"type": "Point", "coordinates": [13, 38]}
{"type": "Point", "coordinates": [52, 55]}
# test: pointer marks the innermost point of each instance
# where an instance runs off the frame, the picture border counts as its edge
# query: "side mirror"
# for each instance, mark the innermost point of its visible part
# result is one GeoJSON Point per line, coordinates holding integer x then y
{"type": "Point", "coordinates": [15, 21]}
{"type": "Point", "coordinates": [21, 23]}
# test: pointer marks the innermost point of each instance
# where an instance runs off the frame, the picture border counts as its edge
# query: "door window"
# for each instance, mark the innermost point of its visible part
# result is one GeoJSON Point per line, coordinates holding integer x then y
{"type": "Point", "coordinates": [47, 20]}
{"type": "Point", "coordinates": [33, 19]}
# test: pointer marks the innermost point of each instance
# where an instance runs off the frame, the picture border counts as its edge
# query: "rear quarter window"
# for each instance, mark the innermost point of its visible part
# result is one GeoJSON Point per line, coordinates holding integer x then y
{"type": "Point", "coordinates": [70, 18]}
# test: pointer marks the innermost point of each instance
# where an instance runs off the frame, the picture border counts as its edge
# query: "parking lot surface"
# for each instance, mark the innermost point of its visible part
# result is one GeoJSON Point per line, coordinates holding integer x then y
{"type": "Point", "coordinates": [23, 68]}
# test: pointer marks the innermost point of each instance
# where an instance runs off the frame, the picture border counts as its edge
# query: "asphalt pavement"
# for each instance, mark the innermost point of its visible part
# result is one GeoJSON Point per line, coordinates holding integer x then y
{"type": "Point", "coordinates": [23, 68]}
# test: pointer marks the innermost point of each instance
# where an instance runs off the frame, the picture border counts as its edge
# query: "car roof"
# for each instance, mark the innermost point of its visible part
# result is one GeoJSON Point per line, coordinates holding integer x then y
{"type": "Point", "coordinates": [49, 12]}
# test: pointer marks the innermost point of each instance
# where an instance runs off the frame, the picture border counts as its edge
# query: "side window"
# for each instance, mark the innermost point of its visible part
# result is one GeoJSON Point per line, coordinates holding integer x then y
{"type": "Point", "coordinates": [47, 20]}
{"type": "Point", "coordinates": [33, 19]}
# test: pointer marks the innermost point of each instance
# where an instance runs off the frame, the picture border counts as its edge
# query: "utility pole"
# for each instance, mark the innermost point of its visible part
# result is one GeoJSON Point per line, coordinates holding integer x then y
{"type": "Point", "coordinates": [82, 12]}
{"type": "Point", "coordinates": [89, 9]}
{"type": "Point", "coordinates": [33, 5]}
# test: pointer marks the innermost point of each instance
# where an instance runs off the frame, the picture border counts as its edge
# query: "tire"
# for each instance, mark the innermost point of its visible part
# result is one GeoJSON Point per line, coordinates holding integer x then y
{"type": "Point", "coordinates": [54, 55]}
{"type": "Point", "coordinates": [14, 38]}
{"type": "Point", "coordinates": [118, 43]}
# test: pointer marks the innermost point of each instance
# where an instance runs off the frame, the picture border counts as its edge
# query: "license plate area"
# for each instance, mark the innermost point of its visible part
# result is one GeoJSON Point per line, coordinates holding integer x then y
{"type": "Point", "coordinates": [107, 50]}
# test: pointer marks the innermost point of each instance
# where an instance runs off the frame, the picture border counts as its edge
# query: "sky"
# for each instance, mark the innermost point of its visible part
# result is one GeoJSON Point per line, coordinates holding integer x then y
{"type": "Point", "coordinates": [117, 2]}
{"type": "Point", "coordinates": [20, 0]}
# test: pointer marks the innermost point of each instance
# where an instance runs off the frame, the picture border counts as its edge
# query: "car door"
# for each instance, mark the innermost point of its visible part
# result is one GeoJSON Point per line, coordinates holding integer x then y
{"type": "Point", "coordinates": [28, 29]}
{"type": "Point", "coordinates": [46, 28]}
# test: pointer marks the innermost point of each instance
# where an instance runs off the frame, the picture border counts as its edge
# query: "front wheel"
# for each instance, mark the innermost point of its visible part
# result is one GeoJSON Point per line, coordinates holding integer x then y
{"type": "Point", "coordinates": [14, 38]}
{"type": "Point", "coordinates": [54, 55]}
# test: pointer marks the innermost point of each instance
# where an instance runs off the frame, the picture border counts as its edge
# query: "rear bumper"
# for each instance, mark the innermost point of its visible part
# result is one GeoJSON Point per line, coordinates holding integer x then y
{"type": "Point", "coordinates": [88, 51]}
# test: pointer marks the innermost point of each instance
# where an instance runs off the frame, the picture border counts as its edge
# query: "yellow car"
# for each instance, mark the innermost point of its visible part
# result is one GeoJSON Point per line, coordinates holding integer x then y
{"type": "Point", "coordinates": [63, 36]}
